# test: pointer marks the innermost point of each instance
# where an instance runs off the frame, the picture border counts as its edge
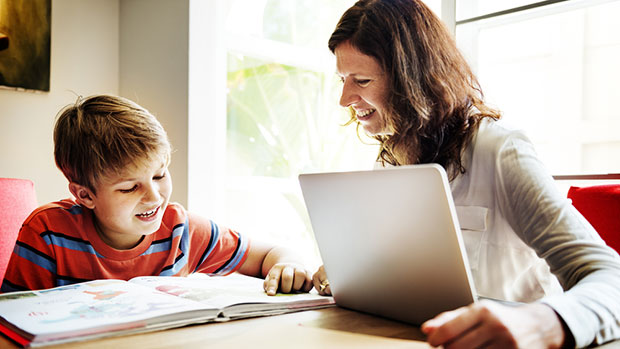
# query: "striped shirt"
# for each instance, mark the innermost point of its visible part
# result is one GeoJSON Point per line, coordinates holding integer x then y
{"type": "Point", "coordinates": [58, 245]}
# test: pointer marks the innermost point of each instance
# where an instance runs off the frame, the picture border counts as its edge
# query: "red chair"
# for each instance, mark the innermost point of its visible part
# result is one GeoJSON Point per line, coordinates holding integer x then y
{"type": "Point", "coordinates": [17, 200]}
{"type": "Point", "coordinates": [600, 205]}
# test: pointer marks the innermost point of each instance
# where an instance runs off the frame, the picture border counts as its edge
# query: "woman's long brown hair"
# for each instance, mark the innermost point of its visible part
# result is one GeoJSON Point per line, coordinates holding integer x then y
{"type": "Point", "coordinates": [434, 102]}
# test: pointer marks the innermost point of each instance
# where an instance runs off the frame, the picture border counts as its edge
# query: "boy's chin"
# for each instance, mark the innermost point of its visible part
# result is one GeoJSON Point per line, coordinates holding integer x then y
{"type": "Point", "coordinates": [151, 228]}
{"type": "Point", "coordinates": [153, 231]}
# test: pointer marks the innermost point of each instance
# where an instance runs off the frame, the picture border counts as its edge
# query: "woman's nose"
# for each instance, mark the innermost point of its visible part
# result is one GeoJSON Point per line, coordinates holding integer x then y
{"type": "Point", "coordinates": [349, 95]}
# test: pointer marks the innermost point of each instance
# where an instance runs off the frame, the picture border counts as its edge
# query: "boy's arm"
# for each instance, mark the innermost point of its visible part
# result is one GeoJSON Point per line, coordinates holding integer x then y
{"type": "Point", "coordinates": [32, 265]}
{"type": "Point", "coordinates": [279, 266]}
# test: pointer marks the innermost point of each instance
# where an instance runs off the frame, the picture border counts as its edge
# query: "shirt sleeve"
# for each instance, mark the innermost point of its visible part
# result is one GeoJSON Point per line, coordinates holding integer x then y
{"type": "Point", "coordinates": [588, 270]}
{"type": "Point", "coordinates": [216, 250]}
{"type": "Point", "coordinates": [32, 265]}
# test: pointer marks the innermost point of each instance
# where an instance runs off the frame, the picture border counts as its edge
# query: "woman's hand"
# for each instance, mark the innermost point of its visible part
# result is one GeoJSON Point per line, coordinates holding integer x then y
{"type": "Point", "coordinates": [319, 279]}
{"type": "Point", "coordinates": [287, 277]}
{"type": "Point", "coordinates": [493, 325]}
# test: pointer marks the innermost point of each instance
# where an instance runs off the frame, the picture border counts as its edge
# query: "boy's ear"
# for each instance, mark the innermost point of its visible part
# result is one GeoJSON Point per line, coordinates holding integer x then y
{"type": "Point", "coordinates": [82, 194]}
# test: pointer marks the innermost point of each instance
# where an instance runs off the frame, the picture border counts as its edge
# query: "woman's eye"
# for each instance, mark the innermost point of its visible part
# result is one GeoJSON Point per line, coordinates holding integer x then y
{"type": "Point", "coordinates": [129, 190]}
{"type": "Point", "coordinates": [362, 82]}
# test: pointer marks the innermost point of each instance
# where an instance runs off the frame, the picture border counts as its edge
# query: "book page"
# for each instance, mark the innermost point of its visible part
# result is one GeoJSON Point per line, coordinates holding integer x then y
{"type": "Point", "coordinates": [231, 290]}
{"type": "Point", "coordinates": [90, 307]}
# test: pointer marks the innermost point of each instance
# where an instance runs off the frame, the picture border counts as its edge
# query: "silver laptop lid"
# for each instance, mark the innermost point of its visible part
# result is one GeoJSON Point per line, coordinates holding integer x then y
{"type": "Point", "coordinates": [390, 240]}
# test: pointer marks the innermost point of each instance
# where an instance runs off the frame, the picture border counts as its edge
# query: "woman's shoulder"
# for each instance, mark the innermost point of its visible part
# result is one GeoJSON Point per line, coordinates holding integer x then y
{"type": "Point", "coordinates": [495, 135]}
{"type": "Point", "coordinates": [493, 142]}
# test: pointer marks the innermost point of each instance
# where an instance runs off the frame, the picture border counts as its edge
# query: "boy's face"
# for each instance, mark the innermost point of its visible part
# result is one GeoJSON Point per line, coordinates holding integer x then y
{"type": "Point", "coordinates": [132, 204]}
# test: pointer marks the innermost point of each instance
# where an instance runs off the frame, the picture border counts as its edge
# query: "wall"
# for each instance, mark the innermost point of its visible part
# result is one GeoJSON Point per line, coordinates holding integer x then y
{"type": "Point", "coordinates": [154, 71]}
{"type": "Point", "coordinates": [84, 50]}
{"type": "Point", "coordinates": [134, 48]}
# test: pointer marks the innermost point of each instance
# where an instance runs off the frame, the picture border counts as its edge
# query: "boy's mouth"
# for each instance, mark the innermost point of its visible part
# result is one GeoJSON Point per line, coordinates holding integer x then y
{"type": "Point", "coordinates": [148, 214]}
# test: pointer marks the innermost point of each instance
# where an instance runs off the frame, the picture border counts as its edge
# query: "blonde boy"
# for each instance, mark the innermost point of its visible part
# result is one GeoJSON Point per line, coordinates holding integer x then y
{"type": "Point", "coordinates": [115, 155]}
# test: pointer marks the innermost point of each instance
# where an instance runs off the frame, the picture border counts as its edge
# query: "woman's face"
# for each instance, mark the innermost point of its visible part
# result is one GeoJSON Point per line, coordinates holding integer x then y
{"type": "Point", "coordinates": [365, 87]}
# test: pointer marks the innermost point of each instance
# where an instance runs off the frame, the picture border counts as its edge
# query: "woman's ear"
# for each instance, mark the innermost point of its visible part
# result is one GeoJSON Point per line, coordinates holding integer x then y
{"type": "Point", "coordinates": [82, 194]}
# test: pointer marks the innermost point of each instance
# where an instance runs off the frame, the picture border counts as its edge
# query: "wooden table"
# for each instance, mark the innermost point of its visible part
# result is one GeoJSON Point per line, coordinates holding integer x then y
{"type": "Point", "coordinates": [325, 328]}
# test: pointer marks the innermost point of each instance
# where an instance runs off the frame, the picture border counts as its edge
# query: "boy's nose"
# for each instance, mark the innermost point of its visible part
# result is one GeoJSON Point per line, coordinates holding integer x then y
{"type": "Point", "coordinates": [151, 193]}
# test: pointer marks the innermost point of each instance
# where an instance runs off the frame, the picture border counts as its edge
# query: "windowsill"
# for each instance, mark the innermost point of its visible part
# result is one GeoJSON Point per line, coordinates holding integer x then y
{"type": "Point", "coordinates": [606, 176]}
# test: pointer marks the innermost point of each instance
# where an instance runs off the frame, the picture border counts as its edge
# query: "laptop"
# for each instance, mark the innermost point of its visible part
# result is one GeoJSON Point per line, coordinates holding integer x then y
{"type": "Point", "coordinates": [390, 241]}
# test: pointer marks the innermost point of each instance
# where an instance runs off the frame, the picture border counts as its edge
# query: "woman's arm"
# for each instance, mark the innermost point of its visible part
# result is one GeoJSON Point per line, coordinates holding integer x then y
{"type": "Point", "coordinates": [588, 270]}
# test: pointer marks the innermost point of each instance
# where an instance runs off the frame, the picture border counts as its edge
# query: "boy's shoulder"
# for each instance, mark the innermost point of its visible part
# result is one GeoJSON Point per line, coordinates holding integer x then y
{"type": "Point", "coordinates": [175, 208]}
{"type": "Point", "coordinates": [175, 212]}
{"type": "Point", "coordinates": [56, 212]}
{"type": "Point", "coordinates": [174, 215]}
{"type": "Point", "coordinates": [62, 207]}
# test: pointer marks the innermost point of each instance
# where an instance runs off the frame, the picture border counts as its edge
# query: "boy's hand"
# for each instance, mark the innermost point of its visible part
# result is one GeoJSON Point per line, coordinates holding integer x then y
{"type": "Point", "coordinates": [287, 277]}
{"type": "Point", "coordinates": [319, 279]}
{"type": "Point", "coordinates": [280, 267]}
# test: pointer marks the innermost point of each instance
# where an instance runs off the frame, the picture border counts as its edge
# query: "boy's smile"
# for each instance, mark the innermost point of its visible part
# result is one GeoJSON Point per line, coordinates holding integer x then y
{"type": "Point", "coordinates": [130, 205]}
{"type": "Point", "coordinates": [149, 215]}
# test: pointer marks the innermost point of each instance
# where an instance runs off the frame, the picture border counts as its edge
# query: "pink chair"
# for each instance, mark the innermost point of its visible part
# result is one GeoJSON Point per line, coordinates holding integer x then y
{"type": "Point", "coordinates": [600, 205]}
{"type": "Point", "coordinates": [17, 200]}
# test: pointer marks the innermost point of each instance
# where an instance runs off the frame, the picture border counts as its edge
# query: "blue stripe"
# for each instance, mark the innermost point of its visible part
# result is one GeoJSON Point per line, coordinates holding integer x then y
{"type": "Point", "coordinates": [74, 210]}
{"type": "Point", "coordinates": [240, 252]}
{"type": "Point", "coordinates": [184, 237]}
{"type": "Point", "coordinates": [35, 256]}
{"type": "Point", "coordinates": [159, 246]}
{"type": "Point", "coordinates": [183, 231]}
{"type": "Point", "coordinates": [8, 286]}
{"type": "Point", "coordinates": [65, 280]}
{"type": "Point", "coordinates": [215, 235]}
{"type": "Point", "coordinates": [68, 242]}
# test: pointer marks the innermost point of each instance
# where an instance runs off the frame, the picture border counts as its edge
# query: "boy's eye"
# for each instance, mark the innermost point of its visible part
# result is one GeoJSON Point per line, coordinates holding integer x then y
{"type": "Point", "coordinates": [159, 177]}
{"type": "Point", "coordinates": [129, 190]}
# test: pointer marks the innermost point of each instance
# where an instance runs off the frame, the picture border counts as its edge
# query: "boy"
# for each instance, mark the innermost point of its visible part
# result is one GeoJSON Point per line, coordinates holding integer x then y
{"type": "Point", "coordinates": [115, 155]}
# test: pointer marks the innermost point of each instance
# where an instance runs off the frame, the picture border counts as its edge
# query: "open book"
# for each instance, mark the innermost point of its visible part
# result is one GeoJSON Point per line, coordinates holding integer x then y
{"type": "Point", "coordinates": [103, 308]}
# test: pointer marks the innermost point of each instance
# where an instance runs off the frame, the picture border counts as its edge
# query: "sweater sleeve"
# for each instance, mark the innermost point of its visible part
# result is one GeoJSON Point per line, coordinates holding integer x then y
{"type": "Point", "coordinates": [588, 270]}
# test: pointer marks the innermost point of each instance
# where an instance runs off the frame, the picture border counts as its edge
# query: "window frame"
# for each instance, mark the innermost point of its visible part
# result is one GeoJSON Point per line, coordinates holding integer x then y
{"type": "Point", "coordinates": [508, 15]}
{"type": "Point", "coordinates": [208, 47]}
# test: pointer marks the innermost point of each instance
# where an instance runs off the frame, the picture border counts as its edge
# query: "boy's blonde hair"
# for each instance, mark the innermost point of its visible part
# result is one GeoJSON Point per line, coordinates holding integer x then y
{"type": "Point", "coordinates": [104, 134]}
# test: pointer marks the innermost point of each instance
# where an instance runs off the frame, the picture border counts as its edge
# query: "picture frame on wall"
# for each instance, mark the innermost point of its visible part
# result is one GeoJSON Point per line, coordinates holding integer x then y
{"type": "Point", "coordinates": [25, 44]}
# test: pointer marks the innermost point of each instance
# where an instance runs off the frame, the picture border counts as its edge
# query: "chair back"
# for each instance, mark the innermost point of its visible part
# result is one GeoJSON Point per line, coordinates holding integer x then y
{"type": "Point", "coordinates": [600, 205]}
{"type": "Point", "coordinates": [17, 201]}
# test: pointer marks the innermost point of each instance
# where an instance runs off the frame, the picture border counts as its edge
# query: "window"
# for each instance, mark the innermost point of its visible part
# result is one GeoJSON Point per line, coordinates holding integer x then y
{"type": "Point", "coordinates": [263, 109]}
{"type": "Point", "coordinates": [552, 71]}
{"type": "Point", "coordinates": [282, 115]}
{"type": "Point", "coordinates": [264, 97]}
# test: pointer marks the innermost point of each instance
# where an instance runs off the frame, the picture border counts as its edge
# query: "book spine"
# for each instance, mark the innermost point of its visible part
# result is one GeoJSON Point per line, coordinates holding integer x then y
{"type": "Point", "coordinates": [15, 337]}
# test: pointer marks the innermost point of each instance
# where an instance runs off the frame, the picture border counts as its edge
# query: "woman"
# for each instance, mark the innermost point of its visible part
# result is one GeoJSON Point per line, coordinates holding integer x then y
{"type": "Point", "coordinates": [407, 85]}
